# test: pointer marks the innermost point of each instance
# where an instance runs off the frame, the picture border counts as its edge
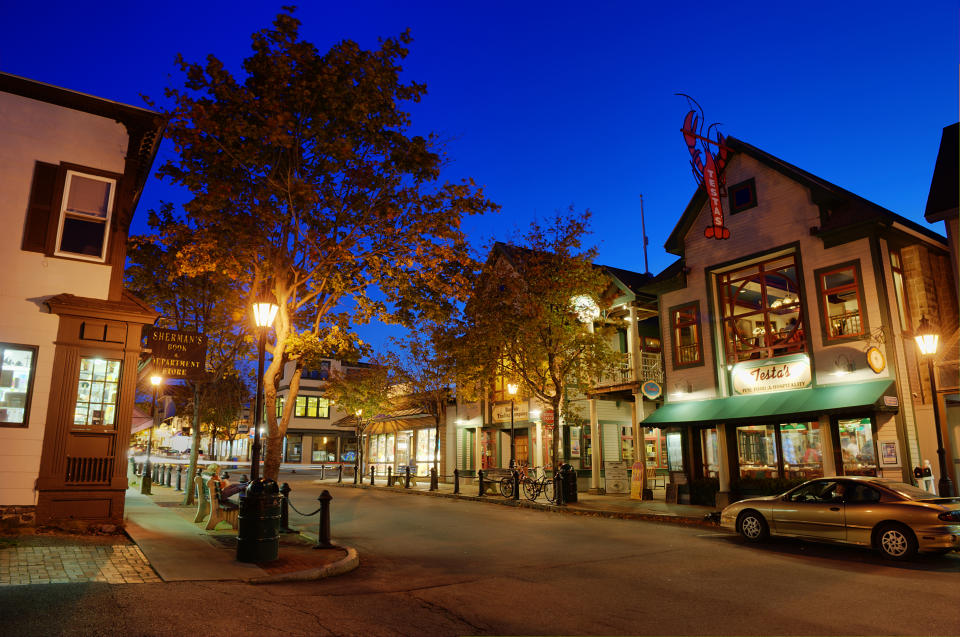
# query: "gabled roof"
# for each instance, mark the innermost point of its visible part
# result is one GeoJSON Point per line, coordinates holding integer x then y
{"type": "Point", "coordinates": [846, 209]}
{"type": "Point", "coordinates": [942, 200]}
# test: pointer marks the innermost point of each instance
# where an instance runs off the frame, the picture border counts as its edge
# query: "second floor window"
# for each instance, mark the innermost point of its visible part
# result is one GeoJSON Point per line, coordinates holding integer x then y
{"type": "Point", "coordinates": [841, 302]}
{"type": "Point", "coordinates": [761, 308]}
{"type": "Point", "coordinates": [685, 323]}
{"type": "Point", "coordinates": [85, 213]}
{"type": "Point", "coordinates": [312, 407]}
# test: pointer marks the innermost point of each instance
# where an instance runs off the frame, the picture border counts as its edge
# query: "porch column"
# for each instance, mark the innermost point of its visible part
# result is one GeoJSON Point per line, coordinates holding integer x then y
{"type": "Point", "coordinates": [633, 347]}
{"type": "Point", "coordinates": [723, 461]}
{"type": "Point", "coordinates": [597, 448]}
{"type": "Point", "coordinates": [478, 448]}
{"type": "Point", "coordinates": [826, 447]}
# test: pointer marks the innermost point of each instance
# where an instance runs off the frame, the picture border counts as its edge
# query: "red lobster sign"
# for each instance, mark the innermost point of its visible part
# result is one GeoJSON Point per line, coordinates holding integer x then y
{"type": "Point", "coordinates": [708, 170]}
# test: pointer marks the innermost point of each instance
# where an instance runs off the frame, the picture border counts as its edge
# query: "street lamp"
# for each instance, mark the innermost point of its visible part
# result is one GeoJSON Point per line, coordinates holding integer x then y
{"type": "Point", "coordinates": [928, 340]}
{"type": "Point", "coordinates": [147, 480]}
{"type": "Point", "coordinates": [512, 390]}
{"type": "Point", "coordinates": [358, 463]}
{"type": "Point", "coordinates": [264, 311]}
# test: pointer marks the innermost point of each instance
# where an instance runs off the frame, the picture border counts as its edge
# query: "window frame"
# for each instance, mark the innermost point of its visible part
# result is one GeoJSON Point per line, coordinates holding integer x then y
{"type": "Point", "coordinates": [901, 297]}
{"type": "Point", "coordinates": [823, 307]}
{"type": "Point", "coordinates": [63, 214]}
{"type": "Point", "coordinates": [28, 400]}
{"type": "Point", "coordinates": [699, 362]}
{"type": "Point", "coordinates": [749, 184]}
{"type": "Point", "coordinates": [87, 428]}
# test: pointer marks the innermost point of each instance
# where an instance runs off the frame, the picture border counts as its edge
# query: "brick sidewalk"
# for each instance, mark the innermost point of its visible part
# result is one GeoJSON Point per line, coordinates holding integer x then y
{"type": "Point", "coordinates": [112, 564]}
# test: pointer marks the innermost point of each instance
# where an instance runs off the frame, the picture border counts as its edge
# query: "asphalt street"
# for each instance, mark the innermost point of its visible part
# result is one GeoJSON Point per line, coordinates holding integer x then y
{"type": "Point", "coordinates": [435, 566]}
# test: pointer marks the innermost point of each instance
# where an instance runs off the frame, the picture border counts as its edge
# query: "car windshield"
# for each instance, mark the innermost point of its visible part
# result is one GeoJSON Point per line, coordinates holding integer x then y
{"type": "Point", "coordinates": [909, 491]}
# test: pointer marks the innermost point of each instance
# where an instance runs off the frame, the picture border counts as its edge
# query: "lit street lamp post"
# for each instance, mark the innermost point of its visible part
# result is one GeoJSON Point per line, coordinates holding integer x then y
{"type": "Point", "coordinates": [146, 481]}
{"type": "Point", "coordinates": [928, 340]}
{"type": "Point", "coordinates": [512, 390]}
{"type": "Point", "coordinates": [258, 528]}
{"type": "Point", "coordinates": [358, 462]}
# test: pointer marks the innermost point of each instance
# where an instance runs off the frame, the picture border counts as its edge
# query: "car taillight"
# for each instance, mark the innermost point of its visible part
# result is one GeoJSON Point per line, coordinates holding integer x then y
{"type": "Point", "coordinates": [950, 516]}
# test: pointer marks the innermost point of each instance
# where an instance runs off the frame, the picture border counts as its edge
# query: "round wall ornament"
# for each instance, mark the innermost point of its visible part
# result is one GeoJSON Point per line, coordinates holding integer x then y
{"type": "Point", "coordinates": [876, 360]}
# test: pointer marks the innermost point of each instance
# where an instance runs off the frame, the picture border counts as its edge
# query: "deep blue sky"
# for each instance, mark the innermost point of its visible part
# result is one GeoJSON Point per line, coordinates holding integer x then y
{"type": "Point", "coordinates": [556, 103]}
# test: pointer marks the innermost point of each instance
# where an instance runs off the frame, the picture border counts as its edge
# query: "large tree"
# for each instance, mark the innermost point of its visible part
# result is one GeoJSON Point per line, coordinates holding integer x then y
{"type": "Point", "coordinates": [307, 183]}
{"type": "Point", "coordinates": [531, 316]}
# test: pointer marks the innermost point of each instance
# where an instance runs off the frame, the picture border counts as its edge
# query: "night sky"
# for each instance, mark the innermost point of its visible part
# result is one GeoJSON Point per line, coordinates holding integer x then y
{"type": "Point", "coordinates": [549, 104]}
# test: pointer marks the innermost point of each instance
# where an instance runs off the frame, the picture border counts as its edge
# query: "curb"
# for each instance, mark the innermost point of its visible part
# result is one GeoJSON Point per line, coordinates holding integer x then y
{"type": "Point", "coordinates": [525, 504]}
{"type": "Point", "coordinates": [341, 566]}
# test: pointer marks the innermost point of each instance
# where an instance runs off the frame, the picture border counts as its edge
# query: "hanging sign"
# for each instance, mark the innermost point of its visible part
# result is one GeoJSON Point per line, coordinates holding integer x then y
{"type": "Point", "coordinates": [178, 355]}
{"type": "Point", "coordinates": [651, 389]}
{"type": "Point", "coordinates": [779, 374]}
{"type": "Point", "coordinates": [501, 412]}
{"type": "Point", "coordinates": [707, 170]}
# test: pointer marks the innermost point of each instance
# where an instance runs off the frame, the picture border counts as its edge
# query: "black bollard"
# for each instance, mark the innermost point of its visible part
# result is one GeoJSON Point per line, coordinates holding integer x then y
{"type": "Point", "coordinates": [339, 474]}
{"type": "Point", "coordinates": [480, 482]}
{"type": "Point", "coordinates": [356, 472]}
{"type": "Point", "coordinates": [323, 536]}
{"type": "Point", "coordinates": [155, 474]}
{"type": "Point", "coordinates": [285, 508]}
{"type": "Point", "coordinates": [456, 482]}
{"type": "Point", "coordinates": [434, 479]}
{"type": "Point", "coordinates": [373, 470]}
{"type": "Point", "coordinates": [179, 477]}
{"type": "Point", "coordinates": [389, 476]}
{"type": "Point", "coordinates": [168, 481]}
{"type": "Point", "coordinates": [558, 489]}
{"type": "Point", "coordinates": [406, 479]}
{"type": "Point", "coordinates": [139, 469]}
{"type": "Point", "coordinates": [133, 465]}
{"type": "Point", "coordinates": [516, 484]}
{"type": "Point", "coordinates": [322, 470]}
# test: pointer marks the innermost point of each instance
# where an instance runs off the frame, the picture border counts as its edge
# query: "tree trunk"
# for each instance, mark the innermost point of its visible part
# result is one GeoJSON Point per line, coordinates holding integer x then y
{"type": "Point", "coordinates": [276, 430]}
{"type": "Point", "coordinates": [194, 448]}
{"type": "Point", "coordinates": [555, 404]}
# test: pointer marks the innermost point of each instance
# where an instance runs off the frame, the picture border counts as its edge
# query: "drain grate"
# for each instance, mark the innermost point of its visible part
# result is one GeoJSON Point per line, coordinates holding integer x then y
{"type": "Point", "coordinates": [225, 541]}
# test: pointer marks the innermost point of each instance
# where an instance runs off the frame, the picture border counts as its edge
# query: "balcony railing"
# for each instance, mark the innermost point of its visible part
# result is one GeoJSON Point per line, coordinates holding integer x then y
{"type": "Point", "coordinates": [651, 368]}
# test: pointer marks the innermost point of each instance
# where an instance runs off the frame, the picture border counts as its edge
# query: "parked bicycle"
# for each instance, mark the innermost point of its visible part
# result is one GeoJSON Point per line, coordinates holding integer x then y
{"type": "Point", "coordinates": [539, 483]}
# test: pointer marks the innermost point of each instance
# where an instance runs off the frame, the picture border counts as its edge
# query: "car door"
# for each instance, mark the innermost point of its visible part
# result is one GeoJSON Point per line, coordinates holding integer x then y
{"type": "Point", "coordinates": [861, 504]}
{"type": "Point", "coordinates": [814, 510]}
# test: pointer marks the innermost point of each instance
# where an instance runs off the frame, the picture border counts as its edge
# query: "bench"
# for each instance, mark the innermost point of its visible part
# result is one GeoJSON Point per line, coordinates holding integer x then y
{"type": "Point", "coordinates": [221, 509]}
{"type": "Point", "coordinates": [492, 478]}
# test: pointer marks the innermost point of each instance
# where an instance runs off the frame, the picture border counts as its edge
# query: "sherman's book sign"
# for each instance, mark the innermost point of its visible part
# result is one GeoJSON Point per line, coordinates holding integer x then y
{"type": "Point", "coordinates": [178, 355]}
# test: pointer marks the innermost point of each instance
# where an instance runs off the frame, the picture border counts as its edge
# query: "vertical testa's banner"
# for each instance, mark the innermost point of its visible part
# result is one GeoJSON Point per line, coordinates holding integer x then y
{"type": "Point", "coordinates": [178, 355]}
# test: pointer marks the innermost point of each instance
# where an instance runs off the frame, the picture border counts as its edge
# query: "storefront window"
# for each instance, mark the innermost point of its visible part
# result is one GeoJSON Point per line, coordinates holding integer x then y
{"type": "Point", "coordinates": [840, 302]}
{"type": "Point", "coordinates": [488, 448]}
{"type": "Point", "coordinates": [324, 449]}
{"type": "Point", "coordinates": [348, 451]}
{"type": "Point", "coordinates": [857, 447]}
{"type": "Point", "coordinates": [761, 308]}
{"type": "Point", "coordinates": [708, 446]}
{"type": "Point", "coordinates": [675, 451]}
{"type": "Point", "coordinates": [17, 364]}
{"type": "Point", "coordinates": [685, 322]}
{"type": "Point", "coordinates": [626, 444]}
{"type": "Point", "coordinates": [802, 456]}
{"type": "Point", "coordinates": [426, 439]}
{"type": "Point", "coordinates": [294, 447]}
{"type": "Point", "coordinates": [656, 444]}
{"type": "Point", "coordinates": [757, 446]}
{"type": "Point", "coordinates": [404, 442]}
{"type": "Point", "coordinates": [97, 393]}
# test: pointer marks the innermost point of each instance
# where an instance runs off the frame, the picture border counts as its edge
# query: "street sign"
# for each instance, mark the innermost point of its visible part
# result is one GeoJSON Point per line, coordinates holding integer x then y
{"type": "Point", "coordinates": [178, 355]}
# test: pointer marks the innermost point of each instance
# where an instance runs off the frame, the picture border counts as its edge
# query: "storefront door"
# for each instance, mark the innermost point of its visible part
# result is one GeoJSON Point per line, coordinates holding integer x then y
{"type": "Point", "coordinates": [522, 446]}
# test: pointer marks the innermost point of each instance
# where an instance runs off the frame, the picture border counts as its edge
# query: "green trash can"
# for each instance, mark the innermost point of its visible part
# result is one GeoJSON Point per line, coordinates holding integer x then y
{"type": "Point", "coordinates": [258, 528]}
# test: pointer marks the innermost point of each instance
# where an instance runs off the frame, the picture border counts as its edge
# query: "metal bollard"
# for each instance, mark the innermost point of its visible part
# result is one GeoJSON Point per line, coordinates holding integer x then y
{"type": "Point", "coordinates": [340, 474]}
{"type": "Point", "coordinates": [373, 470]}
{"type": "Point", "coordinates": [558, 489]}
{"type": "Point", "coordinates": [179, 477]}
{"type": "Point", "coordinates": [168, 481]}
{"type": "Point", "coordinates": [323, 468]}
{"type": "Point", "coordinates": [356, 472]}
{"type": "Point", "coordinates": [155, 474]}
{"type": "Point", "coordinates": [480, 482]}
{"type": "Point", "coordinates": [456, 482]}
{"type": "Point", "coordinates": [434, 480]}
{"type": "Point", "coordinates": [516, 484]}
{"type": "Point", "coordinates": [133, 465]}
{"type": "Point", "coordinates": [138, 469]}
{"type": "Point", "coordinates": [323, 536]}
{"type": "Point", "coordinates": [406, 481]}
{"type": "Point", "coordinates": [389, 476]}
{"type": "Point", "coordinates": [285, 508]}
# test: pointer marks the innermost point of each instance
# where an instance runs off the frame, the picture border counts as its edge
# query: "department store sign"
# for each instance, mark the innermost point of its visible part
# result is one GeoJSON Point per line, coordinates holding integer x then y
{"type": "Point", "coordinates": [779, 374]}
{"type": "Point", "coordinates": [501, 412]}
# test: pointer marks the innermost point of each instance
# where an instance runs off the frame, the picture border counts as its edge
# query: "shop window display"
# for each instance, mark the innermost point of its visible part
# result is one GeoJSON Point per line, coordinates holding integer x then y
{"type": "Point", "coordinates": [17, 364]}
{"type": "Point", "coordinates": [857, 447]}
{"type": "Point", "coordinates": [709, 453]}
{"type": "Point", "coordinates": [761, 307]}
{"type": "Point", "coordinates": [294, 447]}
{"type": "Point", "coordinates": [802, 456]}
{"type": "Point", "coordinates": [757, 447]}
{"type": "Point", "coordinates": [97, 393]}
{"type": "Point", "coordinates": [324, 449]}
{"type": "Point", "coordinates": [426, 441]}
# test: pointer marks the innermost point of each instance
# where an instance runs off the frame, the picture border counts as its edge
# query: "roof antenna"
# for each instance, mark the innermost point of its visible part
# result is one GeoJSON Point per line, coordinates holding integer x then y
{"type": "Point", "coordinates": [643, 229]}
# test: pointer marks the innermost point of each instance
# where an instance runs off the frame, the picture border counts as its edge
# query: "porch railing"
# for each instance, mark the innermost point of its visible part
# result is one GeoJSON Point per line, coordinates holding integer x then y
{"type": "Point", "coordinates": [651, 368]}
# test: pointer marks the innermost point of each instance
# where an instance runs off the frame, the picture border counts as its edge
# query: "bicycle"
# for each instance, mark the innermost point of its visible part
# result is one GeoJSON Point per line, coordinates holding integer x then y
{"type": "Point", "coordinates": [540, 483]}
{"type": "Point", "coordinates": [506, 483]}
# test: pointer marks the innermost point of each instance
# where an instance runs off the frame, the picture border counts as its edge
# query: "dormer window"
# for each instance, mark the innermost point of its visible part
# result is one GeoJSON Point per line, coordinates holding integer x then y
{"type": "Point", "coordinates": [85, 212]}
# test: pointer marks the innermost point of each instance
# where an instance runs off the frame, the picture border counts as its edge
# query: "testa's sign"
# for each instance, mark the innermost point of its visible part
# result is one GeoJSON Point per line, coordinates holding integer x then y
{"type": "Point", "coordinates": [708, 170]}
{"type": "Point", "coordinates": [781, 374]}
{"type": "Point", "coordinates": [651, 389]}
{"type": "Point", "coordinates": [178, 355]}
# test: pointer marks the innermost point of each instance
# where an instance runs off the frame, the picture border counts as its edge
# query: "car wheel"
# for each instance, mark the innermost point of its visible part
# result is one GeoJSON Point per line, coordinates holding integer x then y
{"type": "Point", "coordinates": [752, 526]}
{"type": "Point", "coordinates": [896, 541]}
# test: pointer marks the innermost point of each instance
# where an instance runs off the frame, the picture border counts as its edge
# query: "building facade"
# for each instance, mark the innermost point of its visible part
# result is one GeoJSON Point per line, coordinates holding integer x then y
{"type": "Point", "coordinates": [73, 167]}
{"type": "Point", "coordinates": [788, 346]}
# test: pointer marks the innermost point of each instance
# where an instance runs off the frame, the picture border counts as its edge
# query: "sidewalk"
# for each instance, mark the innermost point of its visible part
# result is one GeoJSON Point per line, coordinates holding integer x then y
{"type": "Point", "coordinates": [181, 550]}
{"type": "Point", "coordinates": [618, 505]}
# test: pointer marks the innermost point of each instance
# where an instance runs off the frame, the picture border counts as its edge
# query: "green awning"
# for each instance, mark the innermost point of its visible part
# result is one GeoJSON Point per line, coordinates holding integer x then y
{"type": "Point", "coordinates": [790, 406]}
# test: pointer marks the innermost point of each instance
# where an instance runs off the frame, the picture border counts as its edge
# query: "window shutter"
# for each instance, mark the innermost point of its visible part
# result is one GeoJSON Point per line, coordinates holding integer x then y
{"type": "Point", "coordinates": [39, 207]}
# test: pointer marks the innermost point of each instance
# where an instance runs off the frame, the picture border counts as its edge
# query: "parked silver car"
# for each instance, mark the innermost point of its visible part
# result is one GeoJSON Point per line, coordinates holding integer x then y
{"type": "Point", "coordinates": [895, 518]}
